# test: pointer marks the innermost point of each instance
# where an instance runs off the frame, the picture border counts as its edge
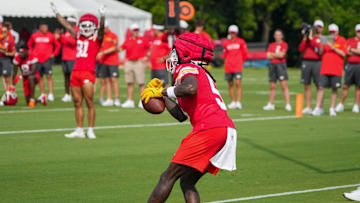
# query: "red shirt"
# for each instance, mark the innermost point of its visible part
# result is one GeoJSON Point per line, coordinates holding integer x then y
{"type": "Point", "coordinates": [150, 35]}
{"type": "Point", "coordinates": [135, 48]}
{"type": "Point", "coordinates": [206, 109]}
{"type": "Point", "coordinates": [8, 45]}
{"type": "Point", "coordinates": [110, 40]}
{"type": "Point", "coordinates": [159, 49]}
{"type": "Point", "coordinates": [276, 48]}
{"type": "Point", "coordinates": [332, 63]}
{"type": "Point", "coordinates": [68, 47]}
{"type": "Point", "coordinates": [25, 64]}
{"type": "Point", "coordinates": [87, 49]}
{"type": "Point", "coordinates": [311, 48]}
{"type": "Point", "coordinates": [42, 45]}
{"type": "Point", "coordinates": [235, 55]}
{"type": "Point", "coordinates": [354, 44]}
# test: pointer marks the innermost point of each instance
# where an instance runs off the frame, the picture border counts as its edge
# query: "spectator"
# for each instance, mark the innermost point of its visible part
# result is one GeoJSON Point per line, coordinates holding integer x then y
{"type": "Point", "coordinates": [199, 29]}
{"type": "Point", "coordinates": [68, 57]}
{"type": "Point", "coordinates": [311, 64]}
{"type": "Point", "coordinates": [352, 72]}
{"type": "Point", "coordinates": [13, 32]}
{"type": "Point", "coordinates": [332, 64]}
{"type": "Point", "coordinates": [7, 51]}
{"type": "Point", "coordinates": [136, 48]}
{"type": "Point", "coordinates": [108, 69]}
{"type": "Point", "coordinates": [184, 27]}
{"type": "Point", "coordinates": [45, 47]}
{"type": "Point", "coordinates": [149, 35]}
{"type": "Point", "coordinates": [235, 56]}
{"type": "Point", "coordinates": [278, 71]}
{"type": "Point", "coordinates": [159, 51]}
{"type": "Point", "coordinates": [24, 35]}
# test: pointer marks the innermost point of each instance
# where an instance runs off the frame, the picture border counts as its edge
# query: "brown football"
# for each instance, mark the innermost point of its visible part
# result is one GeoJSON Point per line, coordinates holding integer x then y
{"type": "Point", "coordinates": [154, 105]}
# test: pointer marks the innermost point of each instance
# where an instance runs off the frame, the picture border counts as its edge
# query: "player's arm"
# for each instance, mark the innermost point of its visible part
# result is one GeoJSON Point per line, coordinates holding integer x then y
{"type": "Point", "coordinates": [62, 20]}
{"type": "Point", "coordinates": [354, 51]}
{"type": "Point", "coordinates": [101, 32]}
{"type": "Point", "coordinates": [32, 69]}
{"type": "Point", "coordinates": [270, 55]}
{"type": "Point", "coordinates": [174, 109]}
{"type": "Point", "coordinates": [336, 50]}
{"type": "Point", "coordinates": [188, 87]}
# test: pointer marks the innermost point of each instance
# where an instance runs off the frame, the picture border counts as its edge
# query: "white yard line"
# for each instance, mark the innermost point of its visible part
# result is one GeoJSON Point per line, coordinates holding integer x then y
{"type": "Point", "coordinates": [285, 193]}
{"type": "Point", "coordinates": [36, 110]}
{"type": "Point", "coordinates": [138, 125]}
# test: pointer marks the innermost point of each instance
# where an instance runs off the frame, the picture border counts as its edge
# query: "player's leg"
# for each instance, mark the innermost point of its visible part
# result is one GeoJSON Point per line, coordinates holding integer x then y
{"type": "Point", "coordinates": [286, 93]}
{"type": "Point", "coordinates": [48, 73]}
{"type": "Point", "coordinates": [40, 69]}
{"type": "Point", "coordinates": [129, 79]}
{"type": "Point", "coordinates": [102, 90]}
{"type": "Point", "coordinates": [187, 183]}
{"type": "Point", "coordinates": [108, 88]}
{"type": "Point", "coordinates": [238, 93]}
{"type": "Point", "coordinates": [32, 84]}
{"type": "Point", "coordinates": [344, 94]}
{"type": "Point", "coordinates": [272, 92]}
{"type": "Point", "coordinates": [357, 99]}
{"type": "Point", "coordinates": [230, 81]}
{"type": "Point", "coordinates": [140, 78]}
{"type": "Point", "coordinates": [333, 102]}
{"type": "Point", "coordinates": [115, 87]}
{"type": "Point", "coordinates": [79, 112]}
{"type": "Point", "coordinates": [88, 91]}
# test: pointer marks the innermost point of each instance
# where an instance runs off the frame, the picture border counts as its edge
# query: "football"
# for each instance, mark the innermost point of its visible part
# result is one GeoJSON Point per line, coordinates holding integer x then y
{"type": "Point", "coordinates": [154, 105]}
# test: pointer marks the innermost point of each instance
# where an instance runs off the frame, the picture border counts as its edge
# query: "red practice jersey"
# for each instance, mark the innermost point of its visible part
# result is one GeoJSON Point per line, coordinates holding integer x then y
{"type": "Point", "coordinates": [235, 55]}
{"type": "Point", "coordinates": [206, 109]}
{"type": "Point", "coordinates": [110, 40]}
{"type": "Point", "coordinates": [159, 49]}
{"type": "Point", "coordinates": [68, 47]}
{"type": "Point", "coordinates": [135, 48]}
{"type": "Point", "coordinates": [43, 45]}
{"type": "Point", "coordinates": [276, 48]}
{"type": "Point", "coordinates": [353, 43]}
{"type": "Point", "coordinates": [8, 44]}
{"type": "Point", "coordinates": [87, 49]}
{"type": "Point", "coordinates": [311, 48]}
{"type": "Point", "coordinates": [332, 63]}
{"type": "Point", "coordinates": [25, 64]}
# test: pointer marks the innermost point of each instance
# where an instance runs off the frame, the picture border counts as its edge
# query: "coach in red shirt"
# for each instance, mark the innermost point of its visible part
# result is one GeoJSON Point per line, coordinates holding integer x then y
{"type": "Point", "coordinates": [136, 48]}
{"type": "Point", "coordinates": [333, 53]}
{"type": "Point", "coordinates": [7, 50]}
{"type": "Point", "coordinates": [45, 47]}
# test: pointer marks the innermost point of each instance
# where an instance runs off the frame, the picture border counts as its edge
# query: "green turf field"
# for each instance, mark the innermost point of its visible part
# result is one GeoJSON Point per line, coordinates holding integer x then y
{"type": "Point", "coordinates": [280, 154]}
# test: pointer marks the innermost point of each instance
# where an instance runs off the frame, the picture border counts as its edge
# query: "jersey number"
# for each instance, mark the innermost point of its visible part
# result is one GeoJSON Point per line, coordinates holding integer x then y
{"type": "Point", "coordinates": [25, 68]}
{"type": "Point", "coordinates": [218, 98]}
{"type": "Point", "coordinates": [82, 48]}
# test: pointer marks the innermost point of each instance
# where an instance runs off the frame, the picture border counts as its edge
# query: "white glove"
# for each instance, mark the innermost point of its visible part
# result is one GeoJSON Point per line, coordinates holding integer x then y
{"type": "Point", "coordinates": [53, 7]}
{"type": "Point", "coordinates": [102, 10]}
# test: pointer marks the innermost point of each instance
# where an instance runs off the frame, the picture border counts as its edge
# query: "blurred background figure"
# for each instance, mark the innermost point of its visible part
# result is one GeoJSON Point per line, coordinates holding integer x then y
{"type": "Point", "coordinates": [199, 29]}
{"type": "Point", "coordinates": [12, 31]}
{"type": "Point", "coordinates": [235, 56]}
{"type": "Point", "coordinates": [184, 27]}
{"type": "Point", "coordinates": [108, 70]}
{"type": "Point", "coordinates": [276, 53]}
{"type": "Point", "coordinates": [7, 51]}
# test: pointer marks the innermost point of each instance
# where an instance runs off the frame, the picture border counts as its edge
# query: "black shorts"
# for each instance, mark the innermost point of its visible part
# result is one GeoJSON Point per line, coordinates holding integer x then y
{"type": "Point", "coordinates": [5, 66]}
{"type": "Point", "coordinates": [45, 67]}
{"type": "Point", "coordinates": [278, 71]}
{"type": "Point", "coordinates": [310, 69]}
{"type": "Point", "coordinates": [67, 66]}
{"type": "Point", "coordinates": [330, 81]}
{"type": "Point", "coordinates": [163, 75]}
{"type": "Point", "coordinates": [107, 71]}
{"type": "Point", "coordinates": [352, 74]}
{"type": "Point", "coordinates": [231, 76]}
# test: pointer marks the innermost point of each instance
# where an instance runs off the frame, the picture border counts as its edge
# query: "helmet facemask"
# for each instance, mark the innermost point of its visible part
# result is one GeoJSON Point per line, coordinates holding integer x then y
{"type": "Point", "coordinates": [87, 28]}
{"type": "Point", "coordinates": [172, 61]}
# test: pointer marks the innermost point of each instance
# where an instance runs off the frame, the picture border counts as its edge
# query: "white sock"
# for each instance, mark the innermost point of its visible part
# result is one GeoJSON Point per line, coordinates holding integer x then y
{"type": "Point", "coordinates": [79, 130]}
{"type": "Point", "coordinates": [91, 129]}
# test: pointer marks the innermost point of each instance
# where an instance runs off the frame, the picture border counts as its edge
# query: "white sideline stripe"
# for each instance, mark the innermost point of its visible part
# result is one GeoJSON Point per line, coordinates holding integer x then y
{"type": "Point", "coordinates": [34, 110]}
{"type": "Point", "coordinates": [285, 193]}
{"type": "Point", "coordinates": [137, 125]}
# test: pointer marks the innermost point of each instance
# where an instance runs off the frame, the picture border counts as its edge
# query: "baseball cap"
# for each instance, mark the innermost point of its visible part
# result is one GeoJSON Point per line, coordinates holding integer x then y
{"type": "Point", "coordinates": [134, 27]}
{"type": "Point", "coordinates": [233, 29]}
{"type": "Point", "coordinates": [158, 27]}
{"type": "Point", "coordinates": [319, 23]}
{"type": "Point", "coordinates": [183, 24]}
{"type": "Point", "coordinates": [333, 28]}
{"type": "Point", "coordinates": [71, 19]}
{"type": "Point", "coordinates": [357, 27]}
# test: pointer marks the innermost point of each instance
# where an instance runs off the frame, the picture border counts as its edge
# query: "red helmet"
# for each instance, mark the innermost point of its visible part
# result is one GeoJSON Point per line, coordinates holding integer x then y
{"type": "Point", "coordinates": [10, 98]}
{"type": "Point", "coordinates": [88, 23]}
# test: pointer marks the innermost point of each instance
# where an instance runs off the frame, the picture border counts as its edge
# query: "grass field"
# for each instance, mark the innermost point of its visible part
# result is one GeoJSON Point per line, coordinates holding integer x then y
{"type": "Point", "coordinates": [280, 154]}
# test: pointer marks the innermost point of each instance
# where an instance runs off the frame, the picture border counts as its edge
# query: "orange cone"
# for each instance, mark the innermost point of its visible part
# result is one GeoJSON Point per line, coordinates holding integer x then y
{"type": "Point", "coordinates": [299, 104]}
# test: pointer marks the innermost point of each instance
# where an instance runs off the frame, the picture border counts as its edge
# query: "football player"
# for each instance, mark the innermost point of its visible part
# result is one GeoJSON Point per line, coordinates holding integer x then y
{"type": "Point", "coordinates": [212, 143]}
{"type": "Point", "coordinates": [88, 40]}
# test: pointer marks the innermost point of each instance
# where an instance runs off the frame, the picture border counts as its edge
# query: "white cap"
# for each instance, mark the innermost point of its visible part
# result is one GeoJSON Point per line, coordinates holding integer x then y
{"type": "Point", "coordinates": [71, 19]}
{"type": "Point", "coordinates": [233, 28]}
{"type": "Point", "coordinates": [319, 23]}
{"type": "Point", "coordinates": [357, 27]}
{"type": "Point", "coordinates": [134, 26]}
{"type": "Point", "coordinates": [183, 24]}
{"type": "Point", "coordinates": [333, 28]}
{"type": "Point", "coordinates": [158, 27]}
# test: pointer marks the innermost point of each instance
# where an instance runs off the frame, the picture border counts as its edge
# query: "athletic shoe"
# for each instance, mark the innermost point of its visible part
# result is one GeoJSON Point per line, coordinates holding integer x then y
{"type": "Point", "coordinates": [355, 108]}
{"type": "Point", "coordinates": [66, 98]}
{"type": "Point", "coordinates": [316, 112]}
{"type": "Point", "coordinates": [339, 107]}
{"type": "Point", "coordinates": [101, 101]}
{"type": "Point", "coordinates": [288, 107]}
{"type": "Point", "coordinates": [90, 134]}
{"type": "Point", "coordinates": [140, 105]}
{"type": "Point", "coordinates": [51, 97]}
{"type": "Point", "coordinates": [307, 110]}
{"type": "Point", "coordinates": [31, 103]}
{"type": "Point", "coordinates": [354, 195]}
{"type": "Point", "coordinates": [128, 104]}
{"type": "Point", "coordinates": [332, 112]}
{"type": "Point", "coordinates": [1, 103]}
{"type": "Point", "coordinates": [322, 112]}
{"type": "Point", "coordinates": [238, 105]}
{"type": "Point", "coordinates": [232, 105]}
{"type": "Point", "coordinates": [117, 102]}
{"type": "Point", "coordinates": [42, 99]}
{"type": "Point", "coordinates": [108, 102]}
{"type": "Point", "coordinates": [78, 133]}
{"type": "Point", "coordinates": [269, 107]}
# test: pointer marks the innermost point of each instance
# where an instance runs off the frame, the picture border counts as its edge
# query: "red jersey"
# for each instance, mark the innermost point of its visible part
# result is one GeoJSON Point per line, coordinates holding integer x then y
{"type": "Point", "coordinates": [150, 35]}
{"type": "Point", "coordinates": [110, 40]}
{"type": "Point", "coordinates": [332, 63]}
{"type": "Point", "coordinates": [354, 44]}
{"type": "Point", "coordinates": [159, 49]}
{"type": "Point", "coordinates": [206, 109]}
{"type": "Point", "coordinates": [311, 48]}
{"type": "Point", "coordinates": [68, 47]}
{"type": "Point", "coordinates": [25, 64]}
{"type": "Point", "coordinates": [135, 48]}
{"type": "Point", "coordinates": [276, 48]}
{"type": "Point", "coordinates": [8, 45]}
{"type": "Point", "coordinates": [87, 49]}
{"type": "Point", "coordinates": [42, 45]}
{"type": "Point", "coordinates": [235, 55]}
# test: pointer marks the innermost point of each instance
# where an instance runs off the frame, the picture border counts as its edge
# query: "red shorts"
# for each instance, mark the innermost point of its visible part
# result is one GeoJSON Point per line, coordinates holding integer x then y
{"type": "Point", "coordinates": [26, 83]}
{"type": "Point", "coordinates": [81, 77]}
{"type": "Point", "coordinates": [199, 147]}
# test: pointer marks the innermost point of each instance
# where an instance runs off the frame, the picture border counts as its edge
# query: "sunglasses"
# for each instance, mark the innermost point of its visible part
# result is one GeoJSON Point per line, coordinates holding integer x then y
{"type": "Point", "coordinates": [4, 31]}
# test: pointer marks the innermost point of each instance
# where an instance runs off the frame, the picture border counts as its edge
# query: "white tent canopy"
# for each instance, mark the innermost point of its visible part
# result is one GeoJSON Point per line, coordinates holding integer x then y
{"type": "Point", "coordinates": [119, 15]}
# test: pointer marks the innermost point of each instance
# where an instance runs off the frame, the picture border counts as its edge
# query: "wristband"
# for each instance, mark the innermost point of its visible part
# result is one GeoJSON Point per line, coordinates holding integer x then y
{"type": "Point", "coordinates": [170, 92]}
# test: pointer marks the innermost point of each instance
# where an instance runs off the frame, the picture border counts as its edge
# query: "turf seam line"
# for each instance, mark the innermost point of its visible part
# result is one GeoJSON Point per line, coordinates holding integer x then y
{"type": "Point", "coordinates": [285, 193]}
